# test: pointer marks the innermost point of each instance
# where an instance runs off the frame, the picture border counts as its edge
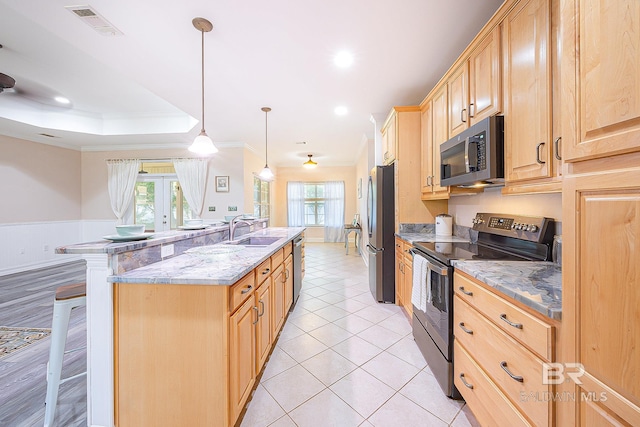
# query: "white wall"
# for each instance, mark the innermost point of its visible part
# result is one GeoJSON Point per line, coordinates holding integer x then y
{"type": "Point", "coordinates": [464, 208]}
{"type": "Point", "coordinates": [228, 162]}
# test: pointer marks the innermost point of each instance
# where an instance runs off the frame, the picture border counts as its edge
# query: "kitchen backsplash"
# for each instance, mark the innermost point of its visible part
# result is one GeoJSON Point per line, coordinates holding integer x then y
{"type": "Point", "coordinates": [458, 230]}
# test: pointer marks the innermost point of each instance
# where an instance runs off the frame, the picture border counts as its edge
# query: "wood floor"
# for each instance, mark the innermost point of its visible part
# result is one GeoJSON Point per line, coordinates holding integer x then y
{"type": "Point", "coordinates": [26, 300]}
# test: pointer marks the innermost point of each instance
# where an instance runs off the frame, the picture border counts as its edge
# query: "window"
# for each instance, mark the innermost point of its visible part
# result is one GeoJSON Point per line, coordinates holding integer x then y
{"type": "Point", "coordinates": [314, 204]}
{"type": "Point", "coordinates": [261, 197]}
{"type": "Point", "coordinates": [158, 199]}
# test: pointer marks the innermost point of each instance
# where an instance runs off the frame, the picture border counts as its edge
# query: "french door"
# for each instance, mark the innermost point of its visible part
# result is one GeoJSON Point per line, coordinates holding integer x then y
{"type": "Point", "coordinates": [159, 203]}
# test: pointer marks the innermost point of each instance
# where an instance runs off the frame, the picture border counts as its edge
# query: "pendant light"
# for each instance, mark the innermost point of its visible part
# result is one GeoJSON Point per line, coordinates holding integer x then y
{"type": "Point", "coordinates": [310, 164]}
{"type": "Point", "coordinates": [202, 144]}
{"type": "Point", "coordinates": [266, 174]}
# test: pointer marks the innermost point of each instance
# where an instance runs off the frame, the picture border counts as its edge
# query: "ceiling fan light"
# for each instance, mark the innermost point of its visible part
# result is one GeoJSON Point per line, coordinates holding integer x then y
{"type": "Point", "coordinates": [203, 145]}
{"type": "Point", "coordinates": [309, 164]}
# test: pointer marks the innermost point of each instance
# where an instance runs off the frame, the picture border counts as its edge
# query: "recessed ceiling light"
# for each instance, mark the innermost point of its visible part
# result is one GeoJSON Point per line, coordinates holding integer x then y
{"type": "Point", "coordinates": [62, 100]}
{"type": "Point", "coordinates": [341, 110]}
{"type": "Point", "coordinates": [343, 59]}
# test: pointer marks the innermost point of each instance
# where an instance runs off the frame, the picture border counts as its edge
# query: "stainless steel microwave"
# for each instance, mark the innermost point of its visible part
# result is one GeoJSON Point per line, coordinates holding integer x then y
{"type": "Point", "coordinates": [475, 157]}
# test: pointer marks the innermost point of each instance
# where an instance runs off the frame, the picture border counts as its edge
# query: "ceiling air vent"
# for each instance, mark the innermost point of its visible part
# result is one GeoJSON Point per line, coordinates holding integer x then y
{"type": "Point", "coordinates": [90, 17]}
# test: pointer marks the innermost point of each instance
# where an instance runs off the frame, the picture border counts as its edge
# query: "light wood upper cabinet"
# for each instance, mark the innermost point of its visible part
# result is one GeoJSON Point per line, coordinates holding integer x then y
{"type": "Point", "coordinates": [389, 139]}
{"type": "Point", "coordinates": [527, 90]}
{"type": "Point", "coordinates": [601, 77]}
{"type": "Point", "coordinates": [440, 133]}
{"type": "Point", "coordinates": [426, 148]}
{"type": "Point", "coordinates": [458, 92]}
{"type": "Point", "coordinates": [485, 78]}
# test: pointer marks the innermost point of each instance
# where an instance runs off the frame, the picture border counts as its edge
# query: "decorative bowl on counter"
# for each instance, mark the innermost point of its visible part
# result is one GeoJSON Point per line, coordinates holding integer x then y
{"type": "Point", "coordinates": [130, 229]}
{"type": "Point", "coordinates": [213, 252]}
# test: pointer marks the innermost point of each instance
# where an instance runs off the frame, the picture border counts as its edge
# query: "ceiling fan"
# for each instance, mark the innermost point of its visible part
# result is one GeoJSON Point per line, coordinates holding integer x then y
{"type": "Point", "coordinates": [6, 82]}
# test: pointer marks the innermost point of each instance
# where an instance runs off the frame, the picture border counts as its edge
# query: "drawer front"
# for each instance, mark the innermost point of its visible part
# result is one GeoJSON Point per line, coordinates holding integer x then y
{"type": "Point", "coordinates": [498, 354]}
{"type": "Point", "coordinates": [405, 250]}
{"type": "Point", "coordinates": [489, 405]}
{"type": "Point", "coordinates": [263, 271]}
{"type": "Point", "coordinates": [288, 249]}
{"type": "Point", "coordinates": [241, 291]}
{"type": "Point", "coordinates": [529, 330]}
{"type": "Point", "coordinates": [277, 258]}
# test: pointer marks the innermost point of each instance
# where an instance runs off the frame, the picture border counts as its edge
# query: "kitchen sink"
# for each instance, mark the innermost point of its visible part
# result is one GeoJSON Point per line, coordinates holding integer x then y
{"type": "Point", "coordinates": [254, 241]}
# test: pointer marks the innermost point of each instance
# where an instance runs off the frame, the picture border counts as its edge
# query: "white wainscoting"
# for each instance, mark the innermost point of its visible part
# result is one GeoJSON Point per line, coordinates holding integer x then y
{"type": "Point", "coordinates": [27, 246]}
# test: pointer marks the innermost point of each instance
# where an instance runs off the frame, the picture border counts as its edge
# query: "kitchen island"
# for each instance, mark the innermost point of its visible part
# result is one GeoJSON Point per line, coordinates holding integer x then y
{"type": "Point", "coordinates": [133, 264]}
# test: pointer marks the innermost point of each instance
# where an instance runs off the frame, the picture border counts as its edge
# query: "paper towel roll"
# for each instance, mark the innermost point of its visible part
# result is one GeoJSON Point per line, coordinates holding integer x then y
{"type": "Point", "coordinates": [444, 225]}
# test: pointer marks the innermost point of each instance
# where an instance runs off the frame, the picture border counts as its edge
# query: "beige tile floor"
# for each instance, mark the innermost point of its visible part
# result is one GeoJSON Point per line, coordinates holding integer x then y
{"type": "Point", "coordinates": [343, 360]}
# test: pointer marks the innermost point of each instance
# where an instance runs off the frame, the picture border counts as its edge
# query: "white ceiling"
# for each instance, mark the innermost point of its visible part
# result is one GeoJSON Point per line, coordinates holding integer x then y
{"type": "Point", "coordinates": [142, 89]}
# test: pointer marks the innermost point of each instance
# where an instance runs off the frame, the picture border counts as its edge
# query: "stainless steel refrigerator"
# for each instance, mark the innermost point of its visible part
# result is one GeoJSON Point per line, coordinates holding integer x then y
{"type": "Point", "coordinates": [381, 229]}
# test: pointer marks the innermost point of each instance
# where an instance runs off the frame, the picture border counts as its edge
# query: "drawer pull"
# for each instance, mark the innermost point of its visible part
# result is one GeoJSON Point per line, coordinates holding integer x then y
{"type": "Point", "coordinates": [503, 365]}
{"type": "Point", "coordinates": [244, 291]}
{"type": "Point", "coordinates": [461, 288]}
{"type": "Point", "coordinates": [257, 315]}
{"type": "Point", "coordinates": [515, 325]}
{"type": "Point", "coordinates": [262, 304]}
{"type": "Point", "coordinates": [470, 386]}
{"type": "Point", "coordinates": [266, 271]}
{"type": "Point", "coordinates": [469, 331]}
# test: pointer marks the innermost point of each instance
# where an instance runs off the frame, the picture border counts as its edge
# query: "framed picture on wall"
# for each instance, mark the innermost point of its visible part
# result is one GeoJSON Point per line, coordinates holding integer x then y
{"type": "Point", "coordinates": [222, 184]}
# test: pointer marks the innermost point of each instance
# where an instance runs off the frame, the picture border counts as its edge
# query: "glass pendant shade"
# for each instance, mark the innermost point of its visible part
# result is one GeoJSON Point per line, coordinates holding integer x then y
{"type": "Point", "coordinates": [203, 145]}
{"type": "Point", "coordinates": [266, 173]}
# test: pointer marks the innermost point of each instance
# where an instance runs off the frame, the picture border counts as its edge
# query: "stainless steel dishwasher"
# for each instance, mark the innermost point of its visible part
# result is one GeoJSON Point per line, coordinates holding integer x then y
{"type": "Point", "coordinates": [297, 269]}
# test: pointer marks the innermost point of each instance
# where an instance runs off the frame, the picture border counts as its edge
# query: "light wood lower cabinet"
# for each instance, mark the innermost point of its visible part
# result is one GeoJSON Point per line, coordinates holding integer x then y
{"type": "Point", "coordinates": [264, 335]}
{"type": "Point", "coordinates": [277, 300]}
{"type": "Point", "coordinates": [190, 354]}
{"type": "Point", "coordinates": [288, 286]}
{"type": "Point", "coordinates": [497, 337]}
{"type": "Point", "coordinates": [404, 275]}
{"type": "Point", "coordinates": [242, 355]}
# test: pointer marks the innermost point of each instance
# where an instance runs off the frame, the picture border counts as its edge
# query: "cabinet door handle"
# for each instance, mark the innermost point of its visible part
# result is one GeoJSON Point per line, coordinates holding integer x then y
{"type": "Point", "coordinates": [262, 304]}
{"type": "Point", "coordinates": [470, 109]}
{"type": "Point", "coordinates": [462, 119]}
{"type": "Point", "coordinates": [461, 288]}
{"type": "Point", "coordinates": [266, 271]}
{"type": "Point", "coordinates": [244, 291]}
{"type": "Point", "coordinates": [257, 315]}
{"type": "Point", "coordinates": [470, 386]}
{"type": "Point", "coordinates": [469, 331]}
{"type": "Point", "coordinates": [503, 316]}
{"type": "Point", "coordinates": [556, 145]}
{"type": "Point", "coordinates": [518, 378]}
{"type": "Point", "coordinates": [538, 153]}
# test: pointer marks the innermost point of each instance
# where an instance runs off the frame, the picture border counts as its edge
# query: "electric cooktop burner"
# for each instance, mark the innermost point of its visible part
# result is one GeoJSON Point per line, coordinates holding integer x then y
{"type": "Point", "coordinates": [445, 252]}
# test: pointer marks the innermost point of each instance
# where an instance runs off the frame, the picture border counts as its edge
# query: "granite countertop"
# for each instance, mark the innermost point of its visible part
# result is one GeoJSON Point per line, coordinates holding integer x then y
{"type": "Point", "coordinates": [429, 237]}
{"type": "Point", "coordinates": [110, 247]}
{"type": "Point", "coordinates": [536, 284]}
{"type": "Point", "coordinates": [225, 269]}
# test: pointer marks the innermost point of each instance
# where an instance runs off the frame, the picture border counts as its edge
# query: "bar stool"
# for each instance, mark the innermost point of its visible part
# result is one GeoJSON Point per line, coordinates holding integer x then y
{"type": "Point", "coordinates": [67, 298]}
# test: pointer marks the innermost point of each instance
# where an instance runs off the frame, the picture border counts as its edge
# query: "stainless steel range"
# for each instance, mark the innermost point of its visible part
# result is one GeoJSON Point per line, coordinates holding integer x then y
{"type": "Point", "coordinates": [499, 237]}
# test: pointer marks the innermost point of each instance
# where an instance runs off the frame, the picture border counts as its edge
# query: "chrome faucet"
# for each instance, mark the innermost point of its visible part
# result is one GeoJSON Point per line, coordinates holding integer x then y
{"type": "Point", "coordinates": [232, 226]}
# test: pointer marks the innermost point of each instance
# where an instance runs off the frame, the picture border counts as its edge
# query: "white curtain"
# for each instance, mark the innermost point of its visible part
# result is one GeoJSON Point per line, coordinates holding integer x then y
{"type": "Point", "coordinates": [192, 174]}
{"type": "Point", "coordinates": [122, 175]}
{"type": "Point", "coordinates": [295, 204]}
{"type": "Point", "coordinates": [334, 211]}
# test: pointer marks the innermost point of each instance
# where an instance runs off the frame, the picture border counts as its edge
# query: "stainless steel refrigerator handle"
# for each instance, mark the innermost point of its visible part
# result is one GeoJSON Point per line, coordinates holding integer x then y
{"type": "Point", "coordinates": [372, 250]}
{"type": "Point", "coordinates": [442, 271]}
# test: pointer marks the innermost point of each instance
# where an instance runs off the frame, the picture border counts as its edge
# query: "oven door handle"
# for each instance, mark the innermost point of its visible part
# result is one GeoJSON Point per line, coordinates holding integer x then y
{"type": "Point", "coordinates": [442, 271]}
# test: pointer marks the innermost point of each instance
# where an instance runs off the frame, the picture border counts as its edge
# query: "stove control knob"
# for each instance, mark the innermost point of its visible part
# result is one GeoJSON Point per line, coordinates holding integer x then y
{"type": "Point", "coordinates": [514, 226]}
{"type": "Point", "coordinates": [533, 228]}
{"type": "Point", "coordinates": [520, 227]}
